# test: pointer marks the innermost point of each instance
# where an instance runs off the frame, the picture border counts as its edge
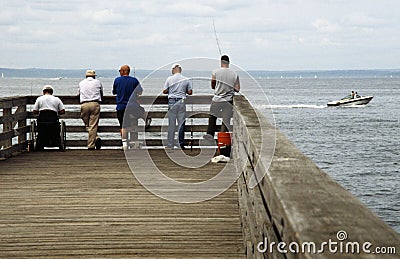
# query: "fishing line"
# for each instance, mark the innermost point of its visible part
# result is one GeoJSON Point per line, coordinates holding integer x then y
{"type": "Point", "coordinates": [219, 47]}
{"type": "Point", "coordinates": [216, 38]}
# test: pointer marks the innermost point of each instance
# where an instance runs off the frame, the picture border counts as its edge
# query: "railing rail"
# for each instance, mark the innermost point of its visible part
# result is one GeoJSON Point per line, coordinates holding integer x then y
{"type": "Point", "coordinates": [16, 114]}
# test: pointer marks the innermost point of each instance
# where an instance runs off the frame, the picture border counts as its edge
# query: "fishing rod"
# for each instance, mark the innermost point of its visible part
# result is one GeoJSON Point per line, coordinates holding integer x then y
{"type": "Point", "coordinates": [216, 38]}
{"type": "Point", "coordinates": [219, 47]}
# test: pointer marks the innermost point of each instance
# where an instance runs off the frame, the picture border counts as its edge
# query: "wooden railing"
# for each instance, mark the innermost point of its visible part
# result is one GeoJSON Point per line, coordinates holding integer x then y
{"type": "Point", "coordinates": [295, 202]}
{"type": "Point", "coordinates": [16, 116]}
{"type": "Point", "coordinates": [13, 124]}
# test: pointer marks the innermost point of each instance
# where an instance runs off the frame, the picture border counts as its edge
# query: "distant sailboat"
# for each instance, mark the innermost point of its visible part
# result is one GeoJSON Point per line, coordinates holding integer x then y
{"type": "Point", "coordinates": [2, 75]}
{"type": "Point", "coordinates": [55, 78]}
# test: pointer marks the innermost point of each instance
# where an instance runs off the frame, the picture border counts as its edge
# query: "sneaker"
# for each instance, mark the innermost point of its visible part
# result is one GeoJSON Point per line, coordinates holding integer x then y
{"type": "Point", "coordinates": [183, 147]}
{"type": "Point", "coordinates": [124, 144]}
{"type": "Point", "coordinates": [98, 143]}
{"type": "Point", "coordinates": [148, 122]}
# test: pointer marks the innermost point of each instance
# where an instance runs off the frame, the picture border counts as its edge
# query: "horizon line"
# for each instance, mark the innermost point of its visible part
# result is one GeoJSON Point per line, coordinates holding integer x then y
{"type": "Point", "coordinates": [250, 70]}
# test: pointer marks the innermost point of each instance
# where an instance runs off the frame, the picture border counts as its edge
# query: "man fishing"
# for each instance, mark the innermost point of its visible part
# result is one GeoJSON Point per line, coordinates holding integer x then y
{"type": "Point", "coordinates": [225, 83]}
{"type": "Point", "coordinates": [177, 87]}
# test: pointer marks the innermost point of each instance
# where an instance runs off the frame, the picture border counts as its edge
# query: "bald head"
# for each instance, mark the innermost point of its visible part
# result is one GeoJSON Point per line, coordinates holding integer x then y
{"type": "Point", "coordinates": [124, 70]}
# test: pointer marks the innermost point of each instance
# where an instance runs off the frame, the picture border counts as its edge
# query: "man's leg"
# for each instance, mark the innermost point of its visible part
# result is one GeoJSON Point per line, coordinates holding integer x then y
{"type": "Point", "coordinates": [85, 115]}
{"type": "Point", "coordinates": [227, 112]}
{"type": "Point", "coordinates": [120, 116]}
{"type": "Point", "coordinates": [93, 123]}
{"type": "Point", "coordinates": [181, 116]}
{"type": "Point", "coordinates": [212, 119]}
{"type": "Point", "coordinates": [172, 115]}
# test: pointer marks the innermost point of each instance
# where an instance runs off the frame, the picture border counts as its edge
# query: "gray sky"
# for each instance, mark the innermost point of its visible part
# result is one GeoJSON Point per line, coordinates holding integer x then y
{"type": "Point", "coordinates": [264, 35]}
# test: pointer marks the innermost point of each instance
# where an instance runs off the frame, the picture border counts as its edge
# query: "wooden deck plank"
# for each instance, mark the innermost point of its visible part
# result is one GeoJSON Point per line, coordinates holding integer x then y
{"type": "Point", "coordinates": [88, 204]}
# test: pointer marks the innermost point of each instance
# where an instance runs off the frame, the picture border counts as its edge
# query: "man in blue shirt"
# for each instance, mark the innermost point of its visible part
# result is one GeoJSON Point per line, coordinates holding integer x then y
{"type": "Point", "coordinates": [177, 86]}
{"type": "Point", "coordinates": [124, 87]}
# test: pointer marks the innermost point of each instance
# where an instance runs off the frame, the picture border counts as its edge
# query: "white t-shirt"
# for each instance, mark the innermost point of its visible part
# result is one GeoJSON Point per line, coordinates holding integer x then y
{"type": "Point", "coordinates": [90, 89]}
{"type": "Point", "coordinates": [177, 86]}
{"type": "Point", "coordinates": [48, 102]}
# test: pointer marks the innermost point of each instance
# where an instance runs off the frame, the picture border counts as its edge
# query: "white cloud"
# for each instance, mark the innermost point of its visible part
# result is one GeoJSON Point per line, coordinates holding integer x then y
{"type": "Point", "coordinates": [104, 16]}
{"type": "Point", "coordinates": [325, 26]}
{"type": "Point", "coordinates": [159, 31]}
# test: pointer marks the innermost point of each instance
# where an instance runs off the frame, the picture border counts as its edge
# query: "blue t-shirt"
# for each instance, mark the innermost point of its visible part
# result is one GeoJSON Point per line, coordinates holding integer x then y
{"type": "Point", "coordinates": [124, 87]}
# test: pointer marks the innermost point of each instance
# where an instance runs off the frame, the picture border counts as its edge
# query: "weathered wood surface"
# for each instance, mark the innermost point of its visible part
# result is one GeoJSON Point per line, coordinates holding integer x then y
{"type": "Point", "coordinates": [88, 204]}
{"type": "Point", "coordinates": [301, 202]}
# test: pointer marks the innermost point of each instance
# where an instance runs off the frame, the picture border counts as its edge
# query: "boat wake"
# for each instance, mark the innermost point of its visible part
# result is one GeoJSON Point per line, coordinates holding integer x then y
{"type": "Point", "coordinates": [292, 106]}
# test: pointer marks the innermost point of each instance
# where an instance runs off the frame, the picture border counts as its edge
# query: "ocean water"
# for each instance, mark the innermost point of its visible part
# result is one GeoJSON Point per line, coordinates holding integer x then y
{"type": "Point", "coordinates": [357, 146]}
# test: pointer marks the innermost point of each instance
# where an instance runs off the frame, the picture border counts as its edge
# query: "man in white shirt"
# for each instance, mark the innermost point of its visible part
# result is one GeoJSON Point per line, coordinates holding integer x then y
{"type": "Point", "coordinates": [177, 87]}
{"type": "Point", "coordinates": [225, 82]}
{"type": "Point", "coordinates": [48, 102]}
{"type": "Point", "coordinates": [49, 108]}
{"type": "Point", "coordinates": [90, 93]}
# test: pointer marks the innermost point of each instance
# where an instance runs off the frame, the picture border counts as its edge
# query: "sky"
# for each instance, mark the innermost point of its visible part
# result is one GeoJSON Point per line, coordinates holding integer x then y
{"type": "Point", "coordinates": [256, 34]}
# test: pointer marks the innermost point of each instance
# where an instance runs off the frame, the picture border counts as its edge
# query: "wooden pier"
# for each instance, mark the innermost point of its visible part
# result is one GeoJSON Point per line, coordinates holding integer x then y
{"type": "Point", "coordinates": [82, 203]}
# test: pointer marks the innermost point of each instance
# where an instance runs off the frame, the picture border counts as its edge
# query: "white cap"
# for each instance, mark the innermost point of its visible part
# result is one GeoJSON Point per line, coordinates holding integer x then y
{"type": "Point", "coordinates": [176, 65]}
{"type": "Point", "coordinates": [47, 87]}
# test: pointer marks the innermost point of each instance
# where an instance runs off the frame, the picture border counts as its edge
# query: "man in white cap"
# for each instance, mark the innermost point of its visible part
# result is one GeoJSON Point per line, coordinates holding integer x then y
{"type": "Point", "coordinates": [48, 102]}
{"type": "Point", "coordinates": [90, 91]}
{"type": "Point", "coordinates": [177, 87]}
{"type": "Point", "coordinates": [49, 108]}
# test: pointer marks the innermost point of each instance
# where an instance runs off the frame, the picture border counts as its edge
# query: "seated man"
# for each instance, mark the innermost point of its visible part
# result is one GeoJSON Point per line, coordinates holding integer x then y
{"type": "Point", "coordinates": [49, 108]}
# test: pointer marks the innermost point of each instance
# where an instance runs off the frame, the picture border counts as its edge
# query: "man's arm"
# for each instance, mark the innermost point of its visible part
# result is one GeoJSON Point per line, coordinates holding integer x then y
{"type": "Point", "coordinates": [189, 89]}
{"type": "Point", "coordinates": [114, 90]}
{"type": "Point", "coordinates": [101, 91]}
{"type": "Point", "coordinates": [213, 82]}
{"type": "Point", "coordinates": [166, 87]}
{"type": "Point", "coordinates": [236, 87]}
{"type": "Point", "coordinates": [61, 109]}
{"type": "Point", "coordinates": [36, 108]}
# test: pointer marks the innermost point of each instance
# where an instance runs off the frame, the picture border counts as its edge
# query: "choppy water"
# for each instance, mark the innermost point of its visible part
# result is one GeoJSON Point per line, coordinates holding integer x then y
{"type": "Point", "coordinates": [358, 147]}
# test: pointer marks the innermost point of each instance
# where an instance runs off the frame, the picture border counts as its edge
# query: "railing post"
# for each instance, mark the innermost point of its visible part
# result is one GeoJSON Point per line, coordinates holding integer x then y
{"type": "Point", "coordinates": [22, 124]}
{"type": "Point", "coordinates": [7, 126]}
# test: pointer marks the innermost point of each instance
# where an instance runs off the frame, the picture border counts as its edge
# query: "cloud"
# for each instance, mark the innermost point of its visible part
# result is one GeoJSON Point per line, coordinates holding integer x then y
{"type": "Point", "coordinates": [362, 20]}
{"type": "Point", "coordinates": [158, 31]}
{"type": "Point", "coordinates": [103, 16]}
{"type": "Point", "coordinates": [325, 26]}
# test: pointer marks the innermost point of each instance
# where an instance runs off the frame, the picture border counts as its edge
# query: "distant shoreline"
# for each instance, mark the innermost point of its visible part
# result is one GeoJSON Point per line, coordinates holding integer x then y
{"type": "Point", "coordinates": [112, 73]}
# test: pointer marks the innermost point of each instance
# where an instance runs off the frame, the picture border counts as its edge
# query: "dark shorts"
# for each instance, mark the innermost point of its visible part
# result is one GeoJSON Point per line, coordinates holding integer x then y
{"type": "Point", "coordinates": [120, 116]}
{"type": "Point", "coordinates": [137, 112]}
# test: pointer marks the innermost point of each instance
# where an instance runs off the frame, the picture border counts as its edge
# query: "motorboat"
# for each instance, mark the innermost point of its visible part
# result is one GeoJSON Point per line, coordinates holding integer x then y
{"type": "Point", "coordinates": [350, 101]}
